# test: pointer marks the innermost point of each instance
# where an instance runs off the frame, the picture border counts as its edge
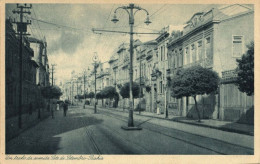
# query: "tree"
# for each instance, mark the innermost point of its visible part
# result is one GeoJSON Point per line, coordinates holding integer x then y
{"type": "Point", "coordinates": [245, 71]}
{"type": "Point", "coordinates": [110, 92]}
{"type": "Point", "coordinates": [91, 95]}
{"type": "Point", "coordinates": [80, 97]}
{"type": "Point", "coordinates": [51, 92]}
{"type": "Point", "coordinates": [100, 95]}
{"type": "Point", "coordinates": [124, 91]}
{"type": "Point", "coordinates": [194, 81]}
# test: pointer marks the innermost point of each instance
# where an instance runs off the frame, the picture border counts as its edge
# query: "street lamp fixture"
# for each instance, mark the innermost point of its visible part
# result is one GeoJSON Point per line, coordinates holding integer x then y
{"type": "Point", "coordinates": [115, 20]}
{"type": "Point", "coordinates": [131, 9]}
{"type": "Point", "coordinates": [147, 21]}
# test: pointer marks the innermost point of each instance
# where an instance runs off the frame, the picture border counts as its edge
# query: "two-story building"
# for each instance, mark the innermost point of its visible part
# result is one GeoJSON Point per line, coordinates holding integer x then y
{"type": "Point", "coordinates": [159, 74]}
{"type": "Point", "coordinates": [214, 40]}
{"type": "Point", "coordinates": [144, 55]}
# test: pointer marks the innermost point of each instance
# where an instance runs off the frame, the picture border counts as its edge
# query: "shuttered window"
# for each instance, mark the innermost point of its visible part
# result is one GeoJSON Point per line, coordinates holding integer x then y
{"type": "Point", "coordinates": [187, 55]}
{"type": "Point", "coordinates": [208, 47]}
{"type": "Point", "coordinates": [237, 46]}
{"type": "Point", "coordinates": [200, 50]}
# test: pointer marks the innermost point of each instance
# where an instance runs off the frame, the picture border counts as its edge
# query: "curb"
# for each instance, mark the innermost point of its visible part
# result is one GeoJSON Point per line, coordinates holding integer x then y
{"type": "Point", "coordinates": [219, 128]}
{"type": "Point", "coordinates": [208, 126]}
{"type": "Point", "coordinates": [194, 124]}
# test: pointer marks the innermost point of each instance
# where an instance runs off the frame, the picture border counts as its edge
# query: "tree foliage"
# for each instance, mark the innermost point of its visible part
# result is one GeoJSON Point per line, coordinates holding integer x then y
{"type": "Point", "coordinates": [194, 81]}
{"type": "Point", "coordinates": [91, 95]}
{"type": "Point", "coordinates": [79, 97]}
{"type": "Point", "coordinates": [100, 95]}
{"type": "Point", "coordinates": [51, 92]}
{"type": "Point", "coordinates": [107, 92]}
{"type": "Point", "coordinates": [124, 91]}
{"type": "Point", "coordinates": [245, 71]}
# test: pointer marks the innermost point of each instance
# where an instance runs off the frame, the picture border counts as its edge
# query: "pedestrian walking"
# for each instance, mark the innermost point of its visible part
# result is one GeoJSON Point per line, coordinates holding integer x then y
{"type": "Point", "coordinates": [158, 108]}
{"type": "Point", "coordinates": [58, 106]}
{"type": "Point", "coordinates": [65, 108]}
{"type": "Point", "coordinates": [53, 107]}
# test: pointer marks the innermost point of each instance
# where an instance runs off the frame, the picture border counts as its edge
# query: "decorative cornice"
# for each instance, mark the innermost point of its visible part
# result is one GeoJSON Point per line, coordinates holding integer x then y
{"type": "Point", "coordinates": [162, 37]}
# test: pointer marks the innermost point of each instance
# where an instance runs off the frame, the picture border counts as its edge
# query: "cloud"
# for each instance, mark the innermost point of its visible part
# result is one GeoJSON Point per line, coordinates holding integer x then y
{"type": "Point", "coordinates": [68, 42]}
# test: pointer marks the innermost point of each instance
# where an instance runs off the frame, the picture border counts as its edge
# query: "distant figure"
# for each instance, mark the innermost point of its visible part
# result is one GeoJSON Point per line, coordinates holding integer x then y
{"type": "Point", "coordinates": [158, 108]}
{"type": "Point", "coordinates": [58, 106]}
{"type": "Point", "coordinates": [65, 108]}
{"type": "Point", "coordinates": [53, 107]}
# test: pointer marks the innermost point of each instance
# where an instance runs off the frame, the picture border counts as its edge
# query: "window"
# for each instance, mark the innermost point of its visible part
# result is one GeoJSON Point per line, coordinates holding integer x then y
{"type": "Point", "coordinates": [144, 70]}
{"type": "Point", "coordinates": [193, 53]}
{"type": "Point", "coordinates": [161, 53]}
{"type": "Point", "coordinates": [173, 59]}
{"type": "Point", "coordinates": [237, 46]}
{"type": "Point", "coordinates": [161, 87]}
{"type": "Point", "coordinates": [187, 55]}
{"type": "Point", "coordinates": [176, 59]}
{"type": "Point", "coordinates": [208, 47]}
{"type": "Point", "coordinates": [200, 50]}
{"type": "Point", "coordinates": [180, 57]}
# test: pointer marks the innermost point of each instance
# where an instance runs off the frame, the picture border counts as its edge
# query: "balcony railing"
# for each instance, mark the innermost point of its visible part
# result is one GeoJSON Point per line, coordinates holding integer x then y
{"type": "Point", "coordinates": [206, 63]}
{"type": "Point", "coordinates": [229, 76]}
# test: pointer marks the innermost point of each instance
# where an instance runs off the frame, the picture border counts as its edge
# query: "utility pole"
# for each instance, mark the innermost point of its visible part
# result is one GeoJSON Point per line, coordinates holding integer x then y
{"type": "Point", "coordinates": [140, 69]}
{"type": "Point", "coordinates": [84, 81]}
{"type": "Point", "coordinates": [95, 59]}
{"type": "Point", "coordinates": [52, 72]}
{"type": "Point", "coordinates": [95, 107]}
{"type": "Point", "coordinates": [71, 92]}
{"type": "Point", "coordinates": [77, 91]}
{"type": "Point", "coordinates": [22, 29]}
{"type": "Point", "coordinates": [129, 9]}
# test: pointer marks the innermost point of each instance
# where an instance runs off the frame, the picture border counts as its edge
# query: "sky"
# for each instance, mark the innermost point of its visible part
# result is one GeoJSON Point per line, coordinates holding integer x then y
{"type": "Point", "coordinates": [71, 42]}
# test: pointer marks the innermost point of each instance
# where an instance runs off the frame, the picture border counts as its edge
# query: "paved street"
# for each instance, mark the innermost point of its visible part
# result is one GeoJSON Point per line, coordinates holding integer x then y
{"type": "Point", "coordinates": [83, 132]}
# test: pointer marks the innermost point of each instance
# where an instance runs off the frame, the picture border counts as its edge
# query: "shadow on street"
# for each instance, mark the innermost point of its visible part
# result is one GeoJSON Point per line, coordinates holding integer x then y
{"type": "Point", "coordinates": [40, 139]}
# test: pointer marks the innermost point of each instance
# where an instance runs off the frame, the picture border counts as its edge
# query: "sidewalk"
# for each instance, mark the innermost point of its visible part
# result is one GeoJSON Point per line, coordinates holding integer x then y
{"type": "Point", "coordinates": [214, 124]}
{"type": "Point", "coordinates": [11, 124]}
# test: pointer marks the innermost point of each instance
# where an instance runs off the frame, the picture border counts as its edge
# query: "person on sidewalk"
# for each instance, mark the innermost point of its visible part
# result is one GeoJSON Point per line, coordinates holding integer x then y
{"type": "Point", "coordinates": [53, 107]}
{"type": "Point", "coordinates": [65, 108]}
{"type": "Point", "coordinates": [158, 108]}
{"type": "Point", "coordinates": [58, 106]}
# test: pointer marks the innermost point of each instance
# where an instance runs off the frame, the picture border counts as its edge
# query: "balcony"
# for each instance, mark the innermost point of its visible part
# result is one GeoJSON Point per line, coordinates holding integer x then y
{"type": "Point", "coordinates": [168, 73]}
{"type": "Point", "coordinates": [229, 76]}
{"type": "Point", "coordinates": [206, 63]}
{"type": "Point", "coordinates": [144, 80]}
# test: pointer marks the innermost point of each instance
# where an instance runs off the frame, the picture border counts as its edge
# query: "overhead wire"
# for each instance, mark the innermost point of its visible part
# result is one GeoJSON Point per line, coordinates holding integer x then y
{"type": "Point", "coordinates": [104, 25]}
{"type": "Point", "coordinates": [108, 44]}
{"type": "Point", "coordinates": [38, 24]}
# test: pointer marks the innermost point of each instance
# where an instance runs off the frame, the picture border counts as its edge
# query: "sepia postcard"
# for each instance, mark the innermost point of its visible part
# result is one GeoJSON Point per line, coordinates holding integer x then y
{"type": "Point", "coordinates": [129, 81]}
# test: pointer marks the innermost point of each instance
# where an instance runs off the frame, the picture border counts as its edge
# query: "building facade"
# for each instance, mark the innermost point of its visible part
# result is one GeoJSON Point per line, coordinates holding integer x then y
{"type": "Point", "coordinates": [144, 57]}
{"type": "Point", "coordinates": [214, 40]}
{"type": "Point", "coordinates": [30, 91]}
{"type": "Point", "coordinates": [41, 58]}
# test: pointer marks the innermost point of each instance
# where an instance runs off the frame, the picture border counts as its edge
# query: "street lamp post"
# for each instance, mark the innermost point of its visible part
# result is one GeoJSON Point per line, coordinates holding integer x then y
{"type": "Point", "coordinates": [95, 59]}
{"type": "Point", "coordinates": [84, 81]}
{"type": "Point", "coordinates": [77, 82]}
{"type": "Point", "coordinates": [140, 69]}
{"type": "Point", "coordinates": [130, 10]}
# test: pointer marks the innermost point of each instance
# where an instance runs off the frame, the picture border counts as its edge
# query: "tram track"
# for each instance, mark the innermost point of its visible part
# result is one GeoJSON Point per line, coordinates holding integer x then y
{"type": "Point", "coordinates": [148, 126]}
